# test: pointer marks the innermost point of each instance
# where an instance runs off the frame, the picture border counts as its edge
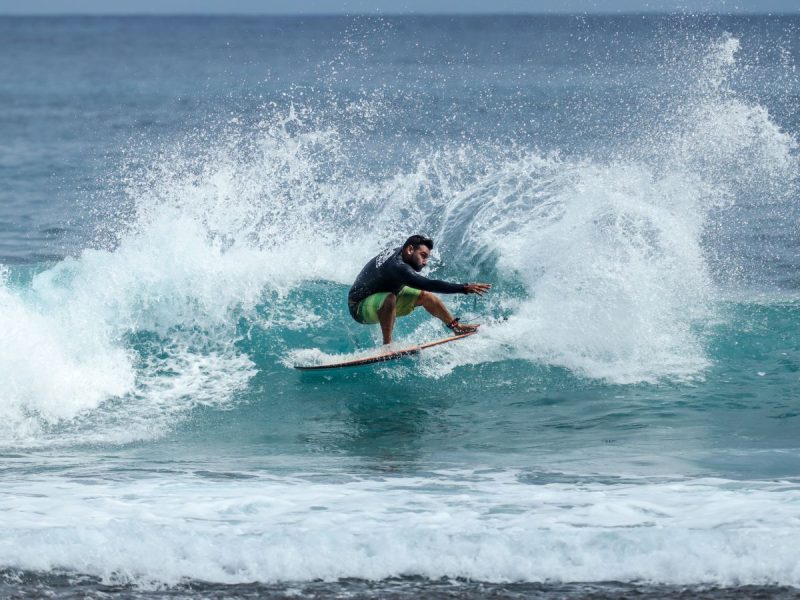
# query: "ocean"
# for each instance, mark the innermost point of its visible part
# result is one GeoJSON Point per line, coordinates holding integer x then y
{"type": "Point", "coordinates": [184, 202]}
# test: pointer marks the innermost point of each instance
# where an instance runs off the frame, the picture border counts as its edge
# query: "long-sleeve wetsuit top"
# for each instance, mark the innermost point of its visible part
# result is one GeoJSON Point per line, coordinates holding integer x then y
{"type": "Point", "coordinates": [388, 272]}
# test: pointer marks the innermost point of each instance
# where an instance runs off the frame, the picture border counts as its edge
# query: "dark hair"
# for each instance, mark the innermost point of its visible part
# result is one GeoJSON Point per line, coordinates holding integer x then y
{"type": "Point", "coordinates": [418, 240]}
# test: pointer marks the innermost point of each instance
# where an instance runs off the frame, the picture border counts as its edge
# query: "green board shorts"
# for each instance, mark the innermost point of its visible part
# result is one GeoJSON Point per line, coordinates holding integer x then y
{"type": "Point", "coordinates": [366, 311]}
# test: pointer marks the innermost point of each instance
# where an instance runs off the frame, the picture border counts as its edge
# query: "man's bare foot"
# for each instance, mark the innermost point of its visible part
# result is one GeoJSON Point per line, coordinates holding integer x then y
{"type": "Point", "coordinates": [461, 329]}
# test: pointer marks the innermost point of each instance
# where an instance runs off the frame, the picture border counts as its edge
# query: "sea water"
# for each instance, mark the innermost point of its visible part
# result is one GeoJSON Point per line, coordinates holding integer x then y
{"type": "Point", "coordinates": [185, 202]}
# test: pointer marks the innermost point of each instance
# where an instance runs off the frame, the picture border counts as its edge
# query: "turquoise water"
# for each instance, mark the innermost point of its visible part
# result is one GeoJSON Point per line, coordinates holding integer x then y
{"type": "Point", "coordinates": [186, 201]}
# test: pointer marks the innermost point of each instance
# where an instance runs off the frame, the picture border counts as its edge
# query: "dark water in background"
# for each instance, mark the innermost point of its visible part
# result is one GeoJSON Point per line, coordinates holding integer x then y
{"type": "Point", "coordinates": [184, 202]}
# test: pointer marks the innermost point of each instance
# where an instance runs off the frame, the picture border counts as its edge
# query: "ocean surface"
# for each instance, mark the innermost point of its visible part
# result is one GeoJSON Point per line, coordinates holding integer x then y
{"type": "Point", "coordinates": [184, 203]}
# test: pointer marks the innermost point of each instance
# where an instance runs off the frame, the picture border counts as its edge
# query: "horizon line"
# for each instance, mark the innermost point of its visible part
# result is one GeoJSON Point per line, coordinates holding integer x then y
{"type": "Point", "coordinates": [512, 13]}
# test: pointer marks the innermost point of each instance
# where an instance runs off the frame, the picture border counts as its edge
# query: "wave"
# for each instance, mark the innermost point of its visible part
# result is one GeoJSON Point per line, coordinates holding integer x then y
{"type": "Point", "coordinates": [601, 266]}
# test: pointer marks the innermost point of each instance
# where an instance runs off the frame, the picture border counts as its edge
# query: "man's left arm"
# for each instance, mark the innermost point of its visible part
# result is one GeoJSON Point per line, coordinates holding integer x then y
{"type": "Point", "coordinates": [415, 280]}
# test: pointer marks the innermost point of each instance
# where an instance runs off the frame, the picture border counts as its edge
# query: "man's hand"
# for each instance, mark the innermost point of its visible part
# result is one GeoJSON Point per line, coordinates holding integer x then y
{"type": "Point", "coordinates": [477, 288]}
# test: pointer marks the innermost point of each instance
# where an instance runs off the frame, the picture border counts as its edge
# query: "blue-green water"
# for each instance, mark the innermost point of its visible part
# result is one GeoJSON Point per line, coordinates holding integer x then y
{"type": "Point", "coordinates": [185, 202]}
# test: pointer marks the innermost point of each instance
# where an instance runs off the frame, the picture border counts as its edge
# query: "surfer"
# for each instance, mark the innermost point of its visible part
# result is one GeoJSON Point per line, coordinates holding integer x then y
{"type": "Point", "coordinates": [390, 286]}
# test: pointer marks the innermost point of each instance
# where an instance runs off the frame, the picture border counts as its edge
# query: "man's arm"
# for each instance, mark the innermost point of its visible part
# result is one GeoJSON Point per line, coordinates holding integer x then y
{"type": "Point", "coordinates": [415, 280]}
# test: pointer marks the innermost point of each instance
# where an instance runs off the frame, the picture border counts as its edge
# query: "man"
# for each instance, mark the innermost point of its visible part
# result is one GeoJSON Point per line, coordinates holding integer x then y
{"type": "Point", "coordinates": [389, 286]}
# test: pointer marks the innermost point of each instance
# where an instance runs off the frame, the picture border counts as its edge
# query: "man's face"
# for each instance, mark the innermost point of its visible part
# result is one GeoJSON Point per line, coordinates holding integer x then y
{"type": "Point", "coordinates": [418, 258]}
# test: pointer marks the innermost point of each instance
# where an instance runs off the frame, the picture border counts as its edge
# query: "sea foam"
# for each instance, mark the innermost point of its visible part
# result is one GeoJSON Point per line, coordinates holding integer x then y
{"type": "Point", "coordinates": [488, 527]}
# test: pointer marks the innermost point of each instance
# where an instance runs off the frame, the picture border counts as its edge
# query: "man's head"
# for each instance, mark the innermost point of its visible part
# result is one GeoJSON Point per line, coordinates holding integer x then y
{"type": "Point", "coordinates": [416, 251]}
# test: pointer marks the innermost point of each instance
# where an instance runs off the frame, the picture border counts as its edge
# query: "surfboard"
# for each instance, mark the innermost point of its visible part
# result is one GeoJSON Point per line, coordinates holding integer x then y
{"type": "Point", "coordinates": [382, 355]}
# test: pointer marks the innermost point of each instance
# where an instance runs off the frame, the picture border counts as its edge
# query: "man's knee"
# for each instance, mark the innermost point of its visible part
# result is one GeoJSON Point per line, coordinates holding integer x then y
{"type": "Point", "coordinates": [427, 299]}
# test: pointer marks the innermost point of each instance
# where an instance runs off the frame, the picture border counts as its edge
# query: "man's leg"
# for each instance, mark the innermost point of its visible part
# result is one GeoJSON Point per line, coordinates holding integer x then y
{"type": "Point", "coordinates": [434, 305]}
{"type": "Point", "coordinates": [386, 317]}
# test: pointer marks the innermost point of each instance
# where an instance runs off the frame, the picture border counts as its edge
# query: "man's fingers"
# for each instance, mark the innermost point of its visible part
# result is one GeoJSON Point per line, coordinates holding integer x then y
{"type": "Point", "coordinates": [480, 288]}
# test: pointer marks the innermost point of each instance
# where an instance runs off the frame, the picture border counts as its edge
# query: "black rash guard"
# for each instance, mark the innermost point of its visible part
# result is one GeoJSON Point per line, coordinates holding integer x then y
{"type": "Point", "coordinates": [388, 272]}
